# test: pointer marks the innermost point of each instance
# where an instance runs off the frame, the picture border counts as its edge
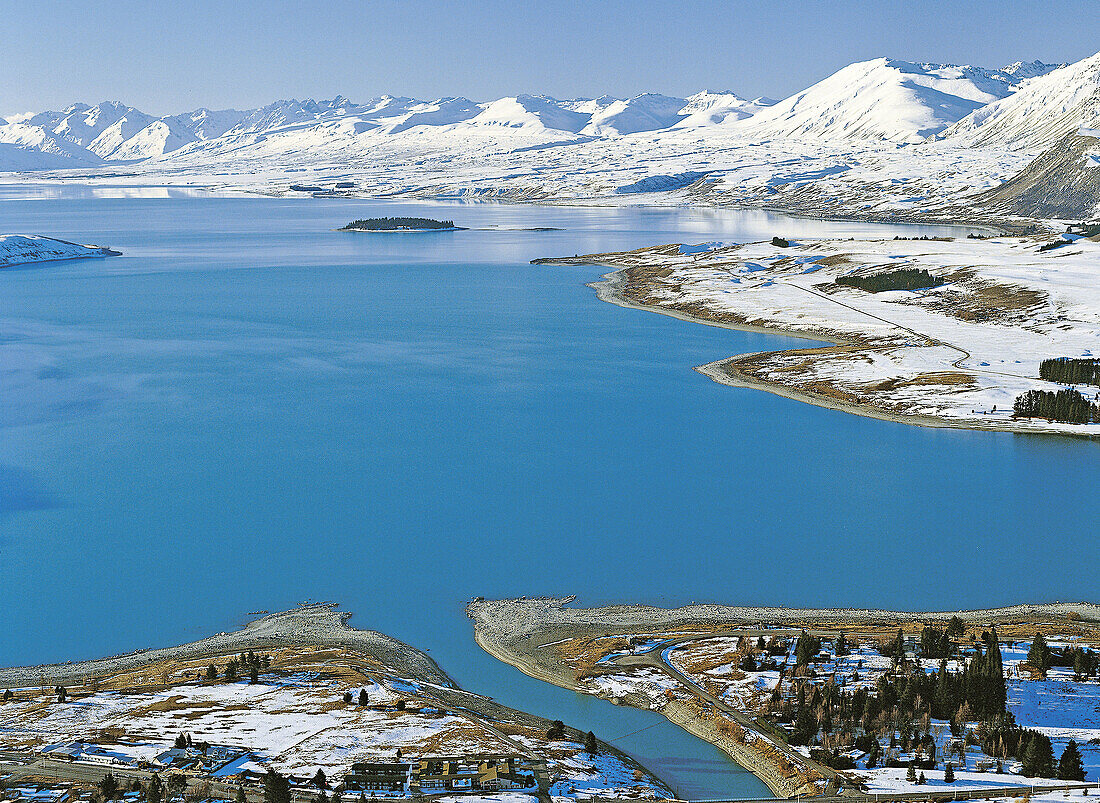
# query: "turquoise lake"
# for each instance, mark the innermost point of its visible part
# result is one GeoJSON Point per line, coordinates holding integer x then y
{"type": "Point", "coordinates": [248, 409]}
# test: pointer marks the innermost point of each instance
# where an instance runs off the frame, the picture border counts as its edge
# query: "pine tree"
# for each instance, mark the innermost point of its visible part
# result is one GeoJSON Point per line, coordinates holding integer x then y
{"type": "Point", "coordinates": [590, 744]}
{"type": "Point", "coordinates": [154, 792]}
{"type": "Point", "coordinates": [921, 780]}
{"type": "Point", "coordinates": [949, 773]}
{"type": "Point", "coordinates": [363, 699]}
{"type": "Point", "coordinates": [276, 788]}
{"type": "Point", "coordinates": [1039, 654]}
{"type": "Point", "coordinates": [911, 774]}
{"type": "Point", "coordinates": [319, 779]}
{"type": "Point", "coordinates": [108, 786]}
{"type": "Point", "coordinates": [1070, 767]}
{"type": "Point", "coordinates": [241, 797]}
{"type": "Point", "coordinates": [253, 675]}
{"type": "Point", "coordinates": [806, 648]}
{"type": "Point", "coordinates": [211, 672]}
{"type": "Point", "coordinates": [1038, 758]}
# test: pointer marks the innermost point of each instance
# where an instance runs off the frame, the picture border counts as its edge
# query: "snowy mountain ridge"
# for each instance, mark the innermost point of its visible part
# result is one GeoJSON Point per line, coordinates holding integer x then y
{"type": "Point", "coordinates": [884, 100]}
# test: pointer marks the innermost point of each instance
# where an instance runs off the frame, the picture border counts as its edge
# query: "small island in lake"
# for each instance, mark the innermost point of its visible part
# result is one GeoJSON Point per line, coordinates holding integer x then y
{"type": "Point", "coordinates": [401, 224]}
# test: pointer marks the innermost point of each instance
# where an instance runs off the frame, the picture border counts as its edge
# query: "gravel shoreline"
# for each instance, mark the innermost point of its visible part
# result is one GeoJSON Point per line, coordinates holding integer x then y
{"type": "Point", "coordinates": [319, 625]}
{"type": "Point", "coordinates": [513, 622]}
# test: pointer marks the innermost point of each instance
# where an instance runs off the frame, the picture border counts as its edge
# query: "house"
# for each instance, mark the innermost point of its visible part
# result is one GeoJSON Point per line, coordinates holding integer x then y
{"type": "Point", "coordinates": [378, 777]}
{"type": "Point", "coordinates": [443, 775]}
{"type": "Point", "coordinates": [89, 753]}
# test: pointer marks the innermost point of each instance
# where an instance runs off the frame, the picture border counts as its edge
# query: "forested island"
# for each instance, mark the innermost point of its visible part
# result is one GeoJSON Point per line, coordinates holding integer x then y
{"type": "Point", "coordinates": [401, 224]}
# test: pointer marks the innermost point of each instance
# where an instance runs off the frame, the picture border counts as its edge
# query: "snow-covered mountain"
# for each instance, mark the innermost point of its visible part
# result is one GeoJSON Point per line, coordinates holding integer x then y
{"type": "Point", "coordinates": [714, 108]}
{"type": "Point", "coordinates": [30, 147]}
{"type": "Point", "coordinates": [1045, 110]}
{"type": "Point", "coordinates": [876, 100]}
{"type": "Point", "coordinates": [647, 112]}
{"type": "Point", "coordinates": [114, 131]}
{"type": "Point", "coordinates": [888, 99]}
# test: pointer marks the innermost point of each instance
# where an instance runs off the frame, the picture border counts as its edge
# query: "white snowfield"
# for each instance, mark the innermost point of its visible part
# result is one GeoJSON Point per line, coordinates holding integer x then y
{"type": "Point", "coordinates": [878, 138]}
{"type": "Point", "coordinates": [958, 354]}
{"type": "Point", "coordinates": [18, 249]}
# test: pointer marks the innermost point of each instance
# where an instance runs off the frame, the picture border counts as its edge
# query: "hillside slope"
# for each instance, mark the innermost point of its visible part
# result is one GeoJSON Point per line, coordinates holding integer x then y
{"type": "Point", "coordinates": [1062, 183]}
{"type": "Point", "coordinates": [1044, 111]}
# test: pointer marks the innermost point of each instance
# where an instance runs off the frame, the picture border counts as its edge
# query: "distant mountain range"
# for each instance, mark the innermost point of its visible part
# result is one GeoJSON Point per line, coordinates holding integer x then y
{"type": "Point", "coordinates": [1026, 106]}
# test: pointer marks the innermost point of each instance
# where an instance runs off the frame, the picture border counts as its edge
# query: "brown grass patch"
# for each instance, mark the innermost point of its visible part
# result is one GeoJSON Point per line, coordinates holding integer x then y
{"type": "Point", "coordinates": [981, 300]}
{"type": "Point", "coordinates": [941, 378]}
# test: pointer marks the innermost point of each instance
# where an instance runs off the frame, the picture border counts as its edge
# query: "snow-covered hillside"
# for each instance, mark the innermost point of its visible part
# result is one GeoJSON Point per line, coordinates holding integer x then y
{"type": "Point", "coordinates": [30, 147]}
{"type": "Point", "coordinates": [1044, 111]}
{"type": "Point", "coordinates": [712, 108]}
{"type": "Point", "coordinates": [641, 113]}
{"type": "Point", "coordinates": [888, 99]}
{"type": "Point", "coordinates": [18, 249]}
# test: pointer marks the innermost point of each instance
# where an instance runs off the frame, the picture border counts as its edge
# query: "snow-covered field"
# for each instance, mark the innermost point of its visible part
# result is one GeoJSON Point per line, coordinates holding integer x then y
{"type": "Point", "coordinates": [296, 721]}
{"type": "Point", "coordinates": [961, 352]}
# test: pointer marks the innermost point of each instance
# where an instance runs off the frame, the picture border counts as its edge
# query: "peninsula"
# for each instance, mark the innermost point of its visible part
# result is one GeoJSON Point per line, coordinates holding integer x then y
{"type": "Point", "coordinates": [21, 249]}
{"type": "Point", "coordinates": [845, 701]}
{"type": "Point", "coordinates": [941, 331]}
{"type": "Point", "coordinates": [301, 700]}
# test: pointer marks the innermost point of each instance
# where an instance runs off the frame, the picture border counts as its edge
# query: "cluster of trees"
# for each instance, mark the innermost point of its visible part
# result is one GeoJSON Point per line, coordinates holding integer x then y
{"type": "Point", "coordinates": [1083, 661]}
{"type": "Point", "coordinates": [1066, 405]}
{"type": "Point", "coordinates": [363, 698]}
{"type": "Point", "coordinates": [904, 279]}
{"type": "Point", "coordinates": [389, 223]}
{"type": "Point", "coordinates": [899, 699]}
{"type": "Point", "coordinates": [1070, 371]}
{"type": "Point", "coordinates": [246, 662]}
{"type": "Point", "coordinates": [110, 788]}
{"type": "Point", "coordinates": [1033, 750]}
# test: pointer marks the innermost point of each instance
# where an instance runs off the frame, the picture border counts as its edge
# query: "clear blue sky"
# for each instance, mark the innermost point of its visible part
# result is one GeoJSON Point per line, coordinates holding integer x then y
{"type": "Point", "coordinates": [167, 57]}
